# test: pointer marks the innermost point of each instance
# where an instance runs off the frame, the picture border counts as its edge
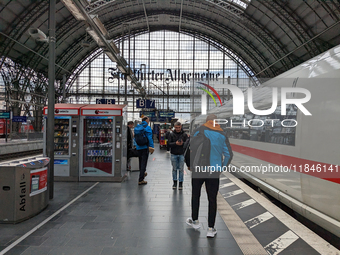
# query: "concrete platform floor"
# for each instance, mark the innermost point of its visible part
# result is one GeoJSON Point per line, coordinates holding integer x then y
{"type": "Point", "coordinates": [122, 218]}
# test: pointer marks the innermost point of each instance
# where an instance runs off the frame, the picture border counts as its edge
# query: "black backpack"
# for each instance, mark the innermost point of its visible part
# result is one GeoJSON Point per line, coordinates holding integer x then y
{"type": "Point", "coordinates": [199, 149]}
{"type": "Point", "coordinates": [141, 138]}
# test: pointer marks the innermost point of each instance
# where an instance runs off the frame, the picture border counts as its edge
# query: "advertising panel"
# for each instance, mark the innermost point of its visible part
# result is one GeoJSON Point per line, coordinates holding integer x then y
{"type": "Point", "coordinates": [38, 180]}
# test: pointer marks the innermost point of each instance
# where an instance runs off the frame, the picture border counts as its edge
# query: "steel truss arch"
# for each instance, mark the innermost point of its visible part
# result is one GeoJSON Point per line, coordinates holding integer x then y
{"type": "Point", "coordinates": [215, 29]}
{"type": "Point", "coordinates": [27, 17]}
{"type": "Point", "coordinates": [293, 25]}
{"type": "Point", "coordinates": [264, 38]}
{"type": "Point", "coordinates": [267, 40]}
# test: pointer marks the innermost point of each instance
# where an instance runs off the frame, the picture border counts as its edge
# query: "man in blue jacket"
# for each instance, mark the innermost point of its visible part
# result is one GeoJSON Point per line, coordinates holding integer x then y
{"type": "Point", "coordinates": [143, 150]}
{"type": "Point", "coordinates": [220, 155]}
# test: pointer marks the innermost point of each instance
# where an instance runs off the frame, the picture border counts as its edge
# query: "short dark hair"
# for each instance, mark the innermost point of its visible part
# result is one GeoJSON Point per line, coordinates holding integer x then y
{"type": "Point", "coordinates": [130, 122]}
{"type": "Point", "coordinates": [145, 118]}
{"type": "Point", "coordinates": [211, 117]}
{"type": "Point", "coordinates": [178, 123]}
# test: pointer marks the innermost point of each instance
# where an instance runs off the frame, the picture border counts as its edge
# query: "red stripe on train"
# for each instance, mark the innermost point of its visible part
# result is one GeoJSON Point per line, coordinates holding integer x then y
{"type": "Point", "coordinates": [290, 162]}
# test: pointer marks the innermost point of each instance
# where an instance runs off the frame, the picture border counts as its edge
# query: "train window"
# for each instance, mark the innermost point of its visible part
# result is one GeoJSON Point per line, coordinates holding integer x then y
{"type": "Point", "coordinates": [274, 128]}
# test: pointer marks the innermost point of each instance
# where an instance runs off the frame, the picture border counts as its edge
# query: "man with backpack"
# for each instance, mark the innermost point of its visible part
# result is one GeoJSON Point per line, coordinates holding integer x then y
{"type": "Point", "coordinates": [176, 141]}
{"type": "Point", "coordinates": [144, 145]}
{"type": "Point", "coordinates": [210, 151]}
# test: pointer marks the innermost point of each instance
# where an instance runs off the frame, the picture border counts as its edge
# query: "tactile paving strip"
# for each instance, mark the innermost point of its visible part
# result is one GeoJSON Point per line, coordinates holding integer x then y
{"type": "Point", "coordinates": [242, 235]}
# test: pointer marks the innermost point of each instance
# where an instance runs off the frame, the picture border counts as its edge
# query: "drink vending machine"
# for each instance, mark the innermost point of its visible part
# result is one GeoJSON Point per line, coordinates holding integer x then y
{"type": "Point", "coordinates": [103, 138]}
{"type": "Point", "coordinates": [66, 141]}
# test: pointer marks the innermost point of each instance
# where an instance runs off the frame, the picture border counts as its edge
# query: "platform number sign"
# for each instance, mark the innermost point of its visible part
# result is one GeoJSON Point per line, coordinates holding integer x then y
{"type": "Point", "coordinates": [105, 101]}
{"type": "Point", "coordinates": [145, 103]}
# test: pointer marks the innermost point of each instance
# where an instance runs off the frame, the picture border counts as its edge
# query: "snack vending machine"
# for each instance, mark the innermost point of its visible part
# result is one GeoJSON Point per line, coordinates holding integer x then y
{"type": "Point", "coordinates": [103, 143]}
{"type": "Point", "coordinates": [66, 141]}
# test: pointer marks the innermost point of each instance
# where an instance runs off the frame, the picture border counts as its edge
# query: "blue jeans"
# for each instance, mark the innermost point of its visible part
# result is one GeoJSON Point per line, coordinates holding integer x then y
{"type": "Point", "coordinates": [177, 162]}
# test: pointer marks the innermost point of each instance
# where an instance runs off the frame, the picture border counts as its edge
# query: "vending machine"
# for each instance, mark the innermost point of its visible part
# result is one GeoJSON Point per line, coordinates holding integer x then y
{"type": "Point", "coordinates": [66, 141]}
{"type": "Point", "coordinates": [103, 143]}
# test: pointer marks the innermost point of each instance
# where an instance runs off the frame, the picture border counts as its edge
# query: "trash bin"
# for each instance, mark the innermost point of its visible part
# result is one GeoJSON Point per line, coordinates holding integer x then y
{"type": "Point", "coordinates": [23, 188]}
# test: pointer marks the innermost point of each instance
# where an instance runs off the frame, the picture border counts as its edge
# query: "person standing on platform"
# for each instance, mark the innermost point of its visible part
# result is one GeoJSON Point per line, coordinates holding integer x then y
{"type": "Point", "coordinates": [177, 138]}
{"type": "Point", "coordinates": [217, 147]}
{"type": "Point", "coordinates": [144, 144]}
{"type": "Point", "coordinates": [167, 139]}
{"type": "Point", "coordinates": [130, 125]}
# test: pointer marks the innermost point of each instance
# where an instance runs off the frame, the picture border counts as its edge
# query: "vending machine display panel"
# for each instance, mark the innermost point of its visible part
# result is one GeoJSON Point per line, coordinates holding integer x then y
{"type": "Point", "coordinates": [61, 136]}
{"type": "Point", "coordinates": [98, 151]}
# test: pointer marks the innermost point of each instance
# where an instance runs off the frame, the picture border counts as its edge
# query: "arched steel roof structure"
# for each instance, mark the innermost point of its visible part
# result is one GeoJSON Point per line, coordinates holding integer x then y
{"type": "Point", "coordinates": [270, 37]}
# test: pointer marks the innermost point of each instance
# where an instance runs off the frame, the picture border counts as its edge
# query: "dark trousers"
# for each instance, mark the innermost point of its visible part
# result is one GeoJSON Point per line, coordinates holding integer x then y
{"type": "Point", "coordinates": [143, 156]}
{"type": "Point", "coordinates": [212, 186]}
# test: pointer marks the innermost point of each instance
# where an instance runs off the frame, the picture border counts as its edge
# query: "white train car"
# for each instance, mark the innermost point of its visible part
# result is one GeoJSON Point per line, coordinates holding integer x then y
{"type": "Point", "coordinates": [310, 151]}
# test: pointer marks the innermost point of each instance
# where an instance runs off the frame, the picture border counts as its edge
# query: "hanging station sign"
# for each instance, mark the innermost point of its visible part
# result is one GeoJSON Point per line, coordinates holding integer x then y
{"type": "Point", "coordinates": [169, 75]}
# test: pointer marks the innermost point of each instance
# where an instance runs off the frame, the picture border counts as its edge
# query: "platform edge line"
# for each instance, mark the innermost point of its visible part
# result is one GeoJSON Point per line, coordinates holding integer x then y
{"type": "Point", "coordinates": [320, 245]}
{"type": "Point", "coordinates": [257, 248]}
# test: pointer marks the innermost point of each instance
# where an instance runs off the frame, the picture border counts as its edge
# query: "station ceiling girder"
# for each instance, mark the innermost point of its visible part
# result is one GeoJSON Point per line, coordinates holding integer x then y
{"type": "Point", "coordinates": [265, 33]}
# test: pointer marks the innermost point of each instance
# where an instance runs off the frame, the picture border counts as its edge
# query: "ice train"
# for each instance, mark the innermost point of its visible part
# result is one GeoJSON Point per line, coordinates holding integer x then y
{"type": "Point", "coordinates": [306, 147]}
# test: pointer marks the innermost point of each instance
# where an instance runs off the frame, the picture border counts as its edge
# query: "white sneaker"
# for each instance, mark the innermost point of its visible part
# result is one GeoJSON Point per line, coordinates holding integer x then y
{"type": "Point", "coordinates": [193, 223]}
{"type": "Point", "coordinates": [211, 232]}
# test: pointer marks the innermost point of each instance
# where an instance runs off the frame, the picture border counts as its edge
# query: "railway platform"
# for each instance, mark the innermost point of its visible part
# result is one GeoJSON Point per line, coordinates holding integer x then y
{"type": "Point", "coordinates": [19, 146]}
{"type": "Point", "coordinates": [125, 218]}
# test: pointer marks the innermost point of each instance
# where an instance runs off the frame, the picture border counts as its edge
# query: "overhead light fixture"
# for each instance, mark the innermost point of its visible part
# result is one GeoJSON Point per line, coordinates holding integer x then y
{"type": "Point", "coordinates": [99, 24]}
{"type": "Point", "coordinates": [130, 77]}
{"type": "Point", "coordinates": [122, 60]}
{"type": "Point", "coordinates": [134, 85]}
{"type": "Point", "coordinates": [110, 55]}
{"type": "Point", "coordinates": [114, 46]}
{"type": "Point", "coordinates": [95, 37]}
{"type": "Point", "coordinates": [73, 9]}
{"type": "Point", "coordinates": [122, 69]}
{"type": "Point", "coordinates": [85, 2]}
{"type": "Point", "coordinates": [38, 35]}
{"type": "Point", "coordinates": [129, 70]}
{"type": "Point", "coordinates": [85, 43]}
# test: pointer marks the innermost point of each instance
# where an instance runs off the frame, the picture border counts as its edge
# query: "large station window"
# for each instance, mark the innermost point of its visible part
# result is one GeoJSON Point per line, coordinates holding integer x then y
{"type": "Point", "coordinates": [166, 64]}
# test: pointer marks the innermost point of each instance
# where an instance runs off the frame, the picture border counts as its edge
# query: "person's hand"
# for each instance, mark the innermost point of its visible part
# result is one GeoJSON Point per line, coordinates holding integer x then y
{"type": "Point", "coordinates": [179, 143]}
{"type": "Point", "coordinates": [151, 150]}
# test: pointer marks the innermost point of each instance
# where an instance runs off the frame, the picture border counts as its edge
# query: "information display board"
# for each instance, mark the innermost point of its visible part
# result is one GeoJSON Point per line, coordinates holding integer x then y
{"type": "Point", "coordinates": [19, 119]}
{"type": "Point", "coordinates": [5, 115]}
{"type": "Point", "coordinates": [105, 101]}
{"type": "Point", "coordinates": [166, 114]}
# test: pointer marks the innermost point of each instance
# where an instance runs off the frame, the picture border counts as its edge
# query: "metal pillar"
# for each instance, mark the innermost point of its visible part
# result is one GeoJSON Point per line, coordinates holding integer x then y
{"type": "Point", "coordinates": [104, 68]}
{"type": "Point", "coordinates": [64, 88]}
{"type": "Point", "coordinates": [50, 115]}
{"type": "Point", "coordinates": [134, 66]}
